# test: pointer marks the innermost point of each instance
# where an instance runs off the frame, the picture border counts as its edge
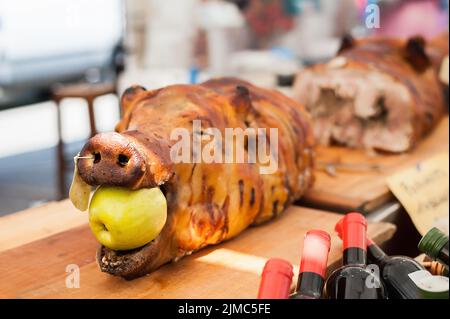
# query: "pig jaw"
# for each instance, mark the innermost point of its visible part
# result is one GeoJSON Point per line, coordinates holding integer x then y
{"type": "Point", "coordinates": [138, 262]}
{"type": "Point", "coordinates": [130, 159]}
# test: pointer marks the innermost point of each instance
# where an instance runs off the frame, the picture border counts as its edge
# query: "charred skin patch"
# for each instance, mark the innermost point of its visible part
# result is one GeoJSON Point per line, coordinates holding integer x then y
{"type": "Point", "coordinates": [241, 192]}
{"type": "Point", "coordinates": [252, 196]}
{"type": "Point", "coordinates": [275, 208]}
{"type": "Point", "coordinates": [416, 55]}
{"type": "Point", "coordinates": [208, 225]}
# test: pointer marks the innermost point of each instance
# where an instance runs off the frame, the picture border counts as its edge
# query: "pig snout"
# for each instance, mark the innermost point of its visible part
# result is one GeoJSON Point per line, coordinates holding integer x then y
{"type": "Point", "coordinates": [126, 159]}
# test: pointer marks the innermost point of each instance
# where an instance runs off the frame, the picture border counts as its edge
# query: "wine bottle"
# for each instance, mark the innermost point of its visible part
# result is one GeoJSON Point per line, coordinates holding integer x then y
{"type": "Point", "coordinates": [276, 279]}
{"type": "Point", "coordinates": [435, 245]}
{"type": "Point", "coordinates": [354, 280]}
{"type": "Point", "coordinates": [313, 265]}
{"type": "Point", "coordinates": [394, 270]}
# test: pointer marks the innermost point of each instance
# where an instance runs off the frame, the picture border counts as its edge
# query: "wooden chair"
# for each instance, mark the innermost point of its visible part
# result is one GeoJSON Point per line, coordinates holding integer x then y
{"type": "Point", "coordinates": [89, 92]}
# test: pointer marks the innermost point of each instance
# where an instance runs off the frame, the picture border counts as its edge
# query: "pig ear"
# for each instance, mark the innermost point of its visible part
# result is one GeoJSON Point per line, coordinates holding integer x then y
{"type": "Point", "coordinates": [128, 97]}
{"type": "Point", "coordinates": [126, 102]}
{"type": "Point", "coordinates": [347, 42]}
{"type": "Point", "coordinates": [241, 100]}
{"type": "Point", "coordinates": [414, 52]}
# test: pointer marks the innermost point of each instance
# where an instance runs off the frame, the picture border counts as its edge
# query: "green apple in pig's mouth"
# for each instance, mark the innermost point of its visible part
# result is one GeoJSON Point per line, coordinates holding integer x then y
{"type": "Point", "coordinates": [123, 219]}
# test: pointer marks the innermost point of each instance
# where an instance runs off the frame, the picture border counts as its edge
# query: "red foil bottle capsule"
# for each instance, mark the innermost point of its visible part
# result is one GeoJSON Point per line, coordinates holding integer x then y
{"type": "Point", "coordinates": [276, 279]}
{"type": "Point", "coordinates": [313, 265]}
{"type": "Point", "coordinates": [354, 280]}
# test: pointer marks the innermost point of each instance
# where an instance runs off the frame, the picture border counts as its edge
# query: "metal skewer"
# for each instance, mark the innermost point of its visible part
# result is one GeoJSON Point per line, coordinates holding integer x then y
{"type": "Point", "coordinates": [331, 168]}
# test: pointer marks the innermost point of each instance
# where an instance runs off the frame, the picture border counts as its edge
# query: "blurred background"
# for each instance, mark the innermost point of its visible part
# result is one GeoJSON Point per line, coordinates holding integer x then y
{"type": "Point", "coordinates": [64, 63]}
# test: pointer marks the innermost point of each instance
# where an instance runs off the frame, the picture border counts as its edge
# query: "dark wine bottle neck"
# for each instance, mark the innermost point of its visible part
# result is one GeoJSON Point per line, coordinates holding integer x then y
{"type": "Point", "coordinates": [375, 254]}
{"type": "Point", "coordinates": [355, 256]}
{"type": "Point", "coordinates": [310, 285]}
{"type": "Point", "coordinates": [443, 254]}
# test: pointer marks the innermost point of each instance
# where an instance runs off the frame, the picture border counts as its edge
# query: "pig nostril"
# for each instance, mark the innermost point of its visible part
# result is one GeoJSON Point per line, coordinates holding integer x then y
{"type": "Point", "coordinates": [97, 157]}
{"type": "Point", "coordinates": [123, 160]}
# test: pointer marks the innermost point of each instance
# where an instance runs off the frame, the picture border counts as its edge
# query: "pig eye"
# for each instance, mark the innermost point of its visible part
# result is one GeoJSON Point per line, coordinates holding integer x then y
{"type": "Point", "coordinates": [123, 160]}
{"type": "Point", "coordinates": [97, 157]}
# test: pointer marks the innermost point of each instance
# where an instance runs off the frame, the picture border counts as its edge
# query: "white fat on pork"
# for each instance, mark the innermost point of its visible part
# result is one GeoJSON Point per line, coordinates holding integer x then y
{"type": "Point", "coordinates": [357, 108]}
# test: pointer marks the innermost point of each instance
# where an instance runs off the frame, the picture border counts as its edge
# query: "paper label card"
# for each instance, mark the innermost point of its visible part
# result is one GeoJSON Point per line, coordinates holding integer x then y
{"type": "Point", "coordinates": [423, 190]}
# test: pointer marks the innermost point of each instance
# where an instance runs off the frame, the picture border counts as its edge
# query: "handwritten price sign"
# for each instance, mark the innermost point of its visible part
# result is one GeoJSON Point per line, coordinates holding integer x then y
{"type": "Point", "coordinates": [423, 191]}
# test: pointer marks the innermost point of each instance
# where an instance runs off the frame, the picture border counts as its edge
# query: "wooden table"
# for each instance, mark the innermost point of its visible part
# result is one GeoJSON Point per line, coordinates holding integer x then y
{"type": "Point", "coordinates": [366, 189]}
{"type": "Point", "coordinates": [38, 244]}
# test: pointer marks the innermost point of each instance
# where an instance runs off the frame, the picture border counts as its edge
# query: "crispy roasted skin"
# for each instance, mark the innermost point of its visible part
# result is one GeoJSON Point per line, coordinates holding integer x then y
{"type": "Point", "coordinates": [207, 203]}
{"type": "Point", "coordinates": [408, 68]}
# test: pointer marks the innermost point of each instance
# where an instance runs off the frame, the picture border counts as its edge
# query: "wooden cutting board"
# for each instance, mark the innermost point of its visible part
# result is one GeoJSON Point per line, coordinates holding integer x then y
{"type": "Point", "coordinates": [365, 189]}
{"type": "Point", "coordinates": [37, 267]}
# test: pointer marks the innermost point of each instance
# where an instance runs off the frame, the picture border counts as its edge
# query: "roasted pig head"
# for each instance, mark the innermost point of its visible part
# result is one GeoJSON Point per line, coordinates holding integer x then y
{"type": "Point", "coordinates": [207, 202]}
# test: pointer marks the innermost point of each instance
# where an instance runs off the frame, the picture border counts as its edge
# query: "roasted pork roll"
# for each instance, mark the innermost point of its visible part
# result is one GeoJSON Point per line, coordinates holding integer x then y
{"type": "Point", "coordinates": [377, 94]}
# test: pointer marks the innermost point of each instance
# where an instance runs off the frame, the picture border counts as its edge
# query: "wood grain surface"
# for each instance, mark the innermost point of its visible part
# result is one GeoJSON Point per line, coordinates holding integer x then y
{"type": "Point", "coordinates": [39, 222]}
{"type": "Point", "coordinates": [365, 189]}
{"type": "Point", "coordinates": [37, 269]}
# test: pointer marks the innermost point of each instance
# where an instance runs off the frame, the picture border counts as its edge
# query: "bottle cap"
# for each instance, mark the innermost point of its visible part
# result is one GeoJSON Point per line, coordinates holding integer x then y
{"type": "Point", "coordinates": [354, 231]}
{"type": "Point", "coordinates": [316, 247]}
{"type": "Point", "coordinates": [276, 279]}
{"type": "Point", "coordinates": [432, 242]}
{"type": "Point", "coordinates": [338, 228]}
